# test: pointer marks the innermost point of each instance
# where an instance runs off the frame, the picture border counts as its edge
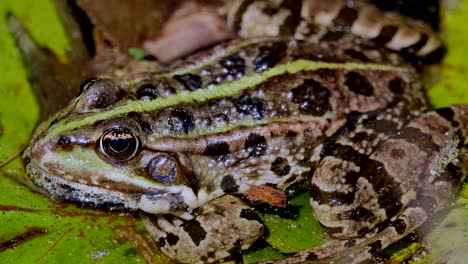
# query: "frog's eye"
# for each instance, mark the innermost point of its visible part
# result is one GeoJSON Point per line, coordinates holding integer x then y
{"type": "Point", "coordinates": [119, 144]}
{"type": "Point", "coordinates": [163, 168]}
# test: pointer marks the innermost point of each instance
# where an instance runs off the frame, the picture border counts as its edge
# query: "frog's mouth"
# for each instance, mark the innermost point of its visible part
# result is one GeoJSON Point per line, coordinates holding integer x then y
{"type": "Point", "coordinates": [60, 189]}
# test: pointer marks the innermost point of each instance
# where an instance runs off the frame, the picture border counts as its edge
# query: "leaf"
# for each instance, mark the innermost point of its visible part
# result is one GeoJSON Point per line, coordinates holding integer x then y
{"type": "Point", "coordinates": [448, 242]}
{"type": "Point", "coordinates": [257, 254]}
{"type": "Point", "coordinates": [301, 231]}
{"type": "Point", "coordinates": [452, 86]}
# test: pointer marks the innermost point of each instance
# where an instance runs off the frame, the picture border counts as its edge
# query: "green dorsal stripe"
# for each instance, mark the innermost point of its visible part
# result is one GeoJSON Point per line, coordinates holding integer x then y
{"type": "Point", "coordinates": [215, 91]}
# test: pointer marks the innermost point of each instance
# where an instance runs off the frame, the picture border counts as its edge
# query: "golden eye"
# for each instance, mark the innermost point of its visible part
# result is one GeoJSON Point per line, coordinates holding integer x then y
{"type": "Point", "coordinates": [119, 143]}
{"type": "Point", "coordinates": [163, 168]}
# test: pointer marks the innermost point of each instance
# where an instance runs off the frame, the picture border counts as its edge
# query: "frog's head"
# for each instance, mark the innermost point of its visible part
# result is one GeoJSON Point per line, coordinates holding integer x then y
{"type": "Point", "coordinates": [111, 148]}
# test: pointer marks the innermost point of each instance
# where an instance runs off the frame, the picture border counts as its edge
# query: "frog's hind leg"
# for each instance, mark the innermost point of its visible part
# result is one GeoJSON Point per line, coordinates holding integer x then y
{"type": "Point", "coordinates": [362, 248]}
{"type": "Point", "coordinates": [437, 142]}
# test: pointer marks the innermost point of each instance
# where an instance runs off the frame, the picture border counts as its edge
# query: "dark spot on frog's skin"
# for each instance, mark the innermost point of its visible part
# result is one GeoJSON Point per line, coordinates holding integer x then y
{"type": "Point", "coordinates": [255, 145]}
{"type": "Point", "coordinates": [229, 185]}
{"type": "Point", "coordinates": [239, 14]}
{"type": "Point", "coordinates": [269, 56]}
{"type": "Point", "coordinates": [55, 121]}
{"type": "Point", "coordinates": [210, 255]}
{"type": "Point", "coordinates": [388, 190]}
{"type": "Point", "coordinates": [166, 90]}
{"type": "Point", "coordinates": [345, 19]}
{"type": "Point", "coordinates": [452, 174]}
{"type": "Point", "coordinates": [280, 166]}
{"type": "Point", "coordinates": [331, 198]}
{"type": "Point", "coordinates": [417, 137]}
{"type": "Point", "coordinates": [375, 247]}
{"type": "Point", "coordinates": [26, 160]}
{"type": "Point", "coordinates": [268, 10]}
{"type": "Point", "coordinates": [363, 231]}
{"type": "Point", "coordinates": [254, 106]}
{"type": "Point", "coordinates": [446, 113]}
{"type": "Point", "coordinates": [379, 227]}
{"type": "Point", "coordinates": [182, 121]}
{"type": "Point", "coordinates": [145, 126]}
{"type": "Point", "coordinates": [386, 35]}
{"type": "Point", "coordinates": [361, 136]}
{"type": "Point", "coordinates": [249, 214]}
{"type": "Point", "coordinates": [237, 246]}
{"type": "Point", "coordinates": [397, 85]}
{"type": "Point", "coordinates": [397, 153]}
{"type": "Point", "coordinates": [64, 143]}
{"type": "Point", "coordinates": [311, 256]}
{"type": "Point", "coordinates": [312, 97]}
{"type": "Point", "coordinates": [288, 27]}
{"type": "Point", "coordinates": [380, 125]}
{"type": "Point", "coordinates": [331, 36]}
{"type": "Point", "coordinates": [350, 243]}
{"type": "Point", "coordinates": [358, 84]}
{"type": "Point", "coordinates": [190, 81]}
{"type": "Point", "coordinates": [291, 134]}
{"type": "Point", "coordinates": [361, 214]}
{"type": "Point", "coordinates": [400, 226]}
{"type": "Point", "coordinates": [217, 148]}
{"type": "Point", "coordinates": [194, 230]}
{"type": "Point", "coordinates": [161, 242]}
{"type": "Point", "coordinates": [172, 239]}
{"type": "Point", "coordinates": [334, 230]}
{"type": "Point", "coordinates": [147, 92]}
{"type": "Point", "coordinates": [357, 55]}
{"type": "Point", "coordinates": [234, 65]}
{"type": "Point", "coordinates": [416, 46]}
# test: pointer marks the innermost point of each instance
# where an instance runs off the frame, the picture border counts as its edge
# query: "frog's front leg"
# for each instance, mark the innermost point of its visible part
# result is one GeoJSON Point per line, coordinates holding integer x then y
{"type": "Point", "coordinates": [407, 178]}
{"type": "Point", "coordinates": [218, 228]}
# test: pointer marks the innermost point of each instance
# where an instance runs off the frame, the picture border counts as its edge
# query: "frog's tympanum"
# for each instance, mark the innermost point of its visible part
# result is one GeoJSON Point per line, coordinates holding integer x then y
{"type": "Point", "coordinates": [314, 92]}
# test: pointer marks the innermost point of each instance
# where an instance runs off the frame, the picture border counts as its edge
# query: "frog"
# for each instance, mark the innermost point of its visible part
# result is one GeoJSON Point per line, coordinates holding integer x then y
{"type": "Point", "coordinates": [312, 93]}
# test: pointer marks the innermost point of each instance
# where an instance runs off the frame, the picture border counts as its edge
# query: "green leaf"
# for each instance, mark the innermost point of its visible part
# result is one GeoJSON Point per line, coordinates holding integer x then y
{"type": "Point", "coordinates": [257, 254]}
{"type": "Point", "coordinates": [296, 234]}
{"type": "Point", "coordinates": [452, 86]}
{"type": "Point", "coordinates": [137, 53]}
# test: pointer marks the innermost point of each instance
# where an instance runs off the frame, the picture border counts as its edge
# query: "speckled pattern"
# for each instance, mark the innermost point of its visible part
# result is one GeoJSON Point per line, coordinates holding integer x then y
{"type": "Point", "coordinates": [344, 114]}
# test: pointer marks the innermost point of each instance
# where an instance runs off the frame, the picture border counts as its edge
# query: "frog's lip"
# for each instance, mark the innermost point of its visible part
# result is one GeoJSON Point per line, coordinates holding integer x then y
{"type": "Point", "coordinates": [58, 188]}
{"type": "Point", "coordinates": [61, 189]}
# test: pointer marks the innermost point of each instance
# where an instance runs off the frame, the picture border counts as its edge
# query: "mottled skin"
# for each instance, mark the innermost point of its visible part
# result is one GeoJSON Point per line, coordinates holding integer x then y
{"type": "Point", "coordinates": [323, 107]}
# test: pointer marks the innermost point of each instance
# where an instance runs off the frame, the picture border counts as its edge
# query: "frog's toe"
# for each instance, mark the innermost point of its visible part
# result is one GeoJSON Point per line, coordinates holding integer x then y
{"type": "Point", "coordinates": [221, 227]}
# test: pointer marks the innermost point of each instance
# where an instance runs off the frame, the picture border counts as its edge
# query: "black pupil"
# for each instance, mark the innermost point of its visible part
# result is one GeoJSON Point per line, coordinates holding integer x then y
{"type": "Point", "coordinates": [119, 143]}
